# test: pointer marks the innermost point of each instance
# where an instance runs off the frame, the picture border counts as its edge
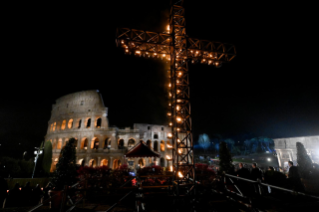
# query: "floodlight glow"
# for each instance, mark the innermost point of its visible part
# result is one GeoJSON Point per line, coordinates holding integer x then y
{"type": "Point", "coordinates": [268, 159]}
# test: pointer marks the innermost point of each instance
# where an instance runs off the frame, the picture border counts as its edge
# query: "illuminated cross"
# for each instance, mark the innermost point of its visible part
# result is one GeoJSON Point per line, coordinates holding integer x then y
{"type": "Point", "coordinates": [175, 46]}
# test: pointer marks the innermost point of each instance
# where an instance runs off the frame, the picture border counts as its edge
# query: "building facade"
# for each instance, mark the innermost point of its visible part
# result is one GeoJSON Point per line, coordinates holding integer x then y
{"type": "Point", "coordinates": [287, 151]}
{"type": "Point", "coordinates": [83, 116]}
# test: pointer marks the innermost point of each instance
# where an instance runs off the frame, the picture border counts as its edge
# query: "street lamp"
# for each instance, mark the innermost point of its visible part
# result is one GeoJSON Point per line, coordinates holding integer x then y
{"type": "Point", "coordinates": [37, 152]}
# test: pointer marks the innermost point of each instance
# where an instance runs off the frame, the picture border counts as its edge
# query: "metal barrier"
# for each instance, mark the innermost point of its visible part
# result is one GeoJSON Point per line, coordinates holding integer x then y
{"type": "Point", "coordinates": [259, 183]}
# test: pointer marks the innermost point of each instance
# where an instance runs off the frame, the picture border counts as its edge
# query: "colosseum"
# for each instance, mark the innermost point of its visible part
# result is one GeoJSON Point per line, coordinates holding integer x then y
{"type": "Point", "coordinates": [83, 116]}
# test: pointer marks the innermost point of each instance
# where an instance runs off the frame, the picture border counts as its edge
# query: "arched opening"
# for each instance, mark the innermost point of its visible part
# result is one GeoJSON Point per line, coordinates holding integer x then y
{"type": "Point", "coordinates": [63, 125]}
{"type": "Point", "coordinates": [92, 163]}
{"type": "Point", "coordinates": [54, 126]}
{"type": "Point", "coordinates": [95, 143]}
{"type": "Point", "coordinates": [162, 146]}
{"type": "Point", "coordinates": [59, 146]}
{"type": "Point", "coordinates": [131, 143]}
{"type": "Point", "coordinates": [84, 143]}
{"type": "Point", "coordinates": [149, 144]}
{"type": "Point", "coordinates": [70, 124]}
{"type": "Point", "coordinates": [98, 123]}
{"type": "Point", "coordinates": [88, 123]}
{"type": "Point", "coordinates": [155, 136]}
{"type": "Point", "coordinates": [116, 164]}
{"type": "Point", "coordinates": [107, 143]}
{"type": "Point", "coordinates": [54, 144]}
{"type": "Point", "coordinates": [141, 162]}
{"type": "Point", "coordinates": [81, 162]}
{"type": "Point", "coordinates": [162, 162]}
{"type": "Point", "coordinates": [51, 127]}
{"type": "Point", "coordinates": [155, 146]}
{"type": "Point", "coordinates": [79, 124]}
{"type": "Point", "coordinates": [104, 162]}
{"type": "Point", "coordinates": [121, 144]}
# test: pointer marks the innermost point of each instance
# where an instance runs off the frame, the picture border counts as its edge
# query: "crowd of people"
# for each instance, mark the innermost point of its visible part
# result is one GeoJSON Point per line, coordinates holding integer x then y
{"type": "Point", "coordinates": [290, 180]}
{"type": "Point", "coordinates": [20, 196]}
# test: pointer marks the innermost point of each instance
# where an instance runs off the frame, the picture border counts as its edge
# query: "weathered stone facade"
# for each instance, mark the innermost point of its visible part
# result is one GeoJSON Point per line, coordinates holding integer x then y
{"type": "Point", "coordinates": [83, 116]}
{"type": "Point", "coordinates": [286, 149]}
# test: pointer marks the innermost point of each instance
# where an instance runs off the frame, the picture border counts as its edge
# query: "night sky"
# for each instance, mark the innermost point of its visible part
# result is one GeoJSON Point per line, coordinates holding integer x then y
{"type": "Point", "coordinates": [270, 89]}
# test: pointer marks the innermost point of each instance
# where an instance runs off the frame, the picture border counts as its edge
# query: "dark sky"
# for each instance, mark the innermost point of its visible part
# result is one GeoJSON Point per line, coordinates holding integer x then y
{"type": "Point", "coordinates": [270, 89]}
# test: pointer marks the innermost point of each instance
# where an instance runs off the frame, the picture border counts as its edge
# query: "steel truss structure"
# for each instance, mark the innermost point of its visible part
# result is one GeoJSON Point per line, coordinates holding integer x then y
{"type": "Point", "coordinates": [175, 46]}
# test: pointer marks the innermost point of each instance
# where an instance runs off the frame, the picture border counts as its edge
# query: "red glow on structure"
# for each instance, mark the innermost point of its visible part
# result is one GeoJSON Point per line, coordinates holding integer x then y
{"type": "Point", "coordinates": [134, 182]}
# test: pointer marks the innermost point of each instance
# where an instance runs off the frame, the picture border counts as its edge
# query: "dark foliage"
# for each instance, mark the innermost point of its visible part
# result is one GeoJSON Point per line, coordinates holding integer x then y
{"type": "Point", "coordinates": [304, 161]}
{"type": "Point", "coordinates": [47, 157]}
{"type": "Point", "coordinates": [16, 168]}
{"type": "Point", "coordinates": [225, 159]}
{"type": "Point", "coordinates": [65, 173]}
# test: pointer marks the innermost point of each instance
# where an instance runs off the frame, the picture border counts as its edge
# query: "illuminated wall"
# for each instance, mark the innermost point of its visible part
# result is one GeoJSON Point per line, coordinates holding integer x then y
{"type": "Point", "coordinates": [286, 149]}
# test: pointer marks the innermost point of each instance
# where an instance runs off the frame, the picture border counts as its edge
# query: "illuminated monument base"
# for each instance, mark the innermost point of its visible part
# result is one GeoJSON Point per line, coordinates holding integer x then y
{"type": "Point", "coordinates": [286, 149]}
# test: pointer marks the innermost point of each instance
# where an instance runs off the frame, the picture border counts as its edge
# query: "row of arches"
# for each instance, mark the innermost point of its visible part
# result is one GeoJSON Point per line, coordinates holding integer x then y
{"type": "Point", "coordinates": [77, 124]}
{"type": "Point", "coordinates": [141, 162]}
{"type": "Point", "coordinates": [156, 146]}
{"type": "Point", "coordinates": [84, 144]}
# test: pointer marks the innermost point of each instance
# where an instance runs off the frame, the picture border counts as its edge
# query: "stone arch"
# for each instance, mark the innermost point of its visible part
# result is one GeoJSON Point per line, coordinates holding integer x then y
{"type": "Point", "coordinates": [54, 144]}
{"type": "Point", "coordinates": [70, 124]}
{"type": "Point", "coordinates": [81, 162]}
{"type": "Point", "coordinates": [155, 146]}
{"type": "Point", "coordinates": [104, 162]}
{"type": "Point", "coordinates": [162, 162]}
{"type": "Point", "coordinates": [54, 126]}
{"type": "Point", "coordinates": [79, 123]}
{"type": "Point", "coordinates": [107, 143]}
{"type": "Point", "coordinates": [116, 163]}
{"type": "Point", "coordinates": [95, 143]}
{"type": "Point", "coordinates": [155, 136]}
{"type": "Point", "coordinates": [63, 125]}
{"type": "Point", "coordinates": [121, 143]}
{"type": "Point", "coordinates": [149, 143]}
{"type": "Point", "coordinates": [84, 143]}
{"type": "Point", "coordinates": [98, 123]}
{"type": "Point", "coordinates": [141, 162]}
{"type": "Point", "coordinates": [88, 123]}
{"type": "Point", "coordinates": [163, 146]}
{"type": "Point", "coordinates": [59, 145]}
{"type": "Point", "coordinates": [131, 143]}
{"type": "Point", "coordinates": [92, 163]}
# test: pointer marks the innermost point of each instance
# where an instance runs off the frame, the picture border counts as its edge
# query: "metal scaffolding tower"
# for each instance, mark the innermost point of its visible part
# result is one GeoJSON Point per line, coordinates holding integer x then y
{"type": "Point", "coordinates": [175, 46]}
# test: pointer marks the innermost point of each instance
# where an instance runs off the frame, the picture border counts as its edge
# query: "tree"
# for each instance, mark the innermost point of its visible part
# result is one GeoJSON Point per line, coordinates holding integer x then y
{"type": "Point", "coordinates": [10, 167]}
{"type": "Point", "coordinates": [225, 159]}
{"type": "Point", "coordinates": [65, 173]}
{"type": "Point", "coordinates": [203, 141]}
{"type": "Point", "coordinates": [47, 157]}
{"type": "Point", "coordinates": [304, 161]}
{"type": "Point", "coordinates": [230, 143]}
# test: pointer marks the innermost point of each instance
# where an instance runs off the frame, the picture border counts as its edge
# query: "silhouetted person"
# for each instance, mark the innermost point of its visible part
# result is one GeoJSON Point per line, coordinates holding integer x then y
{"type": "Point", "coordinates": [3, 191]}
{"type": "Point", "coordinates": [26, 193]}
{"type": "Point", "coordinates": [37, 194]}
{"type": "Point", "coordinates": [46, 191]}
{"type": "Point", "coordinates": [255, 174]}
{"type": "Point", "coordinates": [14, 197]}
{"type": "Point", "coordinates": [269, 177]}
{"type": "Point", "coordinates": [294, 177]}
{"type": "Point", "coordinates": [242, 172]}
